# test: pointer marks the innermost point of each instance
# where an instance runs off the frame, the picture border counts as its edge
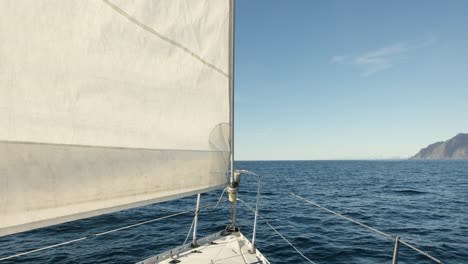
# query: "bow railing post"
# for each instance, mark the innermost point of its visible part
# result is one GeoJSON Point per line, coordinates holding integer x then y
{"type": "Point", "coordinates": [195, 222]}
{"type": "Point", "coordinates": [395, 251]}
{"type": "Point", "coordinates": [254, 233]}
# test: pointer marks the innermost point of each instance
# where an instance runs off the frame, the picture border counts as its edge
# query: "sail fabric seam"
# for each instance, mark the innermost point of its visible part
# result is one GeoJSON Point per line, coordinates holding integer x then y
{"type": "Point", "coordinates": [162, 37]}
{"type": "Point", "coordinates": [53, 221]}
{"type": "Point", "coordinates": [106, 147]}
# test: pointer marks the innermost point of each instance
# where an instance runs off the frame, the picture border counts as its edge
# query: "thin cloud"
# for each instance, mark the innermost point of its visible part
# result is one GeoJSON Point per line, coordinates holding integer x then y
{"type": "Point", "coordinates": [378, 60]}
{"type": "Point", "coordinates": [381, 59]}
{"type": "Point", "coordinates": [338, 59]}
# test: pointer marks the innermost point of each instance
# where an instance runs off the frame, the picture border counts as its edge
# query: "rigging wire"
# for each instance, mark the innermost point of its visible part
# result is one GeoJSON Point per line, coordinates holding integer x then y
{"type": "Point", "coordinates": [214, 207]}
{"type": "Point", "coordinates": [102, 233]}
{"type": "Point", "coordinates": [277, 232]}
{"type": "Point", "coordinates": [211, 209]}
{"type": "Point", "coordinates": [368, 227]}
{"type": "Point", "coordinates": [342, 216]}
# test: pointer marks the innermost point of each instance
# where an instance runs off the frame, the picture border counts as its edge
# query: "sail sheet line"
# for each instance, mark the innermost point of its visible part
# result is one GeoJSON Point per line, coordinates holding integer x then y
{"type": "Point", "coordinates": [162, 37]}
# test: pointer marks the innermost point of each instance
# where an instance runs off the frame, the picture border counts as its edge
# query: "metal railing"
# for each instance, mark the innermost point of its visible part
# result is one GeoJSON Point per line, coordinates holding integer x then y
{"type": "Point", "coordinates": [397, 239]}
{"type": "Point", "coordinates": [254, 232]}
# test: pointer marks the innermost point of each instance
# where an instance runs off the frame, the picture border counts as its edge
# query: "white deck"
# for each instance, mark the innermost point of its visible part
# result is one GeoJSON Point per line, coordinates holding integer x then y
{"type": "Point", "coordinates": [217, 248]}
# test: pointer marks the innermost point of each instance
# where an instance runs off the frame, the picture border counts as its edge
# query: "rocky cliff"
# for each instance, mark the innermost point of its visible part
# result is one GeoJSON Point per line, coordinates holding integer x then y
{"type": "Point", "coordinates": [454, 148]}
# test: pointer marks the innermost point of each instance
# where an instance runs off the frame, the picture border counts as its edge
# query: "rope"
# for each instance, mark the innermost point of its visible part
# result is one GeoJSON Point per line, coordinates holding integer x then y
{"type": "Point", "coordinates": [242, 253]}
{"type": "Point", "coordinates": [277, 232]}
{"type": "Point", "coordinates": [368, 227]}
{"type": "Point", "coordinates": [193, 221]}
{"type": "Point", "coordinates": [247, 172]}
{"type": "Point", "coordinates": [219, 200]}
{"type": "Point", "coordinates": [190, 231]}
{"type": "Point", "coordinates": [99, 234]}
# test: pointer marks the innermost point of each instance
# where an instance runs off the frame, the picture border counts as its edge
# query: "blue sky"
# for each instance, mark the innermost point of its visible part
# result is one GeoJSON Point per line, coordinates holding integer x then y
{"type": "Point", "coordinates": [348, 79]}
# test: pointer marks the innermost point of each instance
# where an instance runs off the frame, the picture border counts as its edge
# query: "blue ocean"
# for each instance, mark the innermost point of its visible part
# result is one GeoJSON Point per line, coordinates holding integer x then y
{"type": "Point", "coordinates": [423, 202]}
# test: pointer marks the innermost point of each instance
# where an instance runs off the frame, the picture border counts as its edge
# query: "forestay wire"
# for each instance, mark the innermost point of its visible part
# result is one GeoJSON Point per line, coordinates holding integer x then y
{"type": "Point", "coordinates": [368, 227]}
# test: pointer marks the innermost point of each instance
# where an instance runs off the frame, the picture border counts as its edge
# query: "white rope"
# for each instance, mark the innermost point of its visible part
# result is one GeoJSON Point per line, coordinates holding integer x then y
{"type": "Point", "coordinates": [368, 227]}
{"type": "Point", "coordinates": [277, 232]}
{"type": "Point", "coordinates": [99, 234]}
{"type": "Point", "coordinates": [242, 253]}
{"type": "Point", "coordinates": [193, 221]}
{"type": "Point", "coordinates": [219, 200]}
{"type": "Point", "coordinates": [247, 172]}
{"type": "Point", "coordinates": [190, 231]}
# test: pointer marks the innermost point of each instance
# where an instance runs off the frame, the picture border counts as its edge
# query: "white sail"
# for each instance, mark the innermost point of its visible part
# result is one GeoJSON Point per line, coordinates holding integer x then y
{"type": "Point", "coordinates": [108, 105]}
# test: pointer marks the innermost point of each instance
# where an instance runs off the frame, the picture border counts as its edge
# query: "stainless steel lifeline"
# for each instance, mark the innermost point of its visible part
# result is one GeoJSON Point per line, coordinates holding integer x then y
{"type": "Point", "coordinates": [277, 232]}
{"type": "Point", "coordinates": [395, 238]}
{"type": "Point", "coordinates": [215, 205]}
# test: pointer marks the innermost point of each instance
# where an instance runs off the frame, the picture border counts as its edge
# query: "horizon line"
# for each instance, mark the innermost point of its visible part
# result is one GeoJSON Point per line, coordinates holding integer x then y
{"type": "Point", "coordinates": [343, 159]}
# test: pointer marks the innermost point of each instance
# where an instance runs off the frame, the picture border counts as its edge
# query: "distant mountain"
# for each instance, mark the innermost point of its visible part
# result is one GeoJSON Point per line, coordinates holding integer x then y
{"type": "Point", "coordinates": [454, 148]}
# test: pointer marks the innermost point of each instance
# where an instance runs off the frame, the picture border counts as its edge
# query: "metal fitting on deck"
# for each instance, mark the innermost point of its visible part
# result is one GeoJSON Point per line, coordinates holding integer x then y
{"type": "Point", "coordinates": [233, 187]}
